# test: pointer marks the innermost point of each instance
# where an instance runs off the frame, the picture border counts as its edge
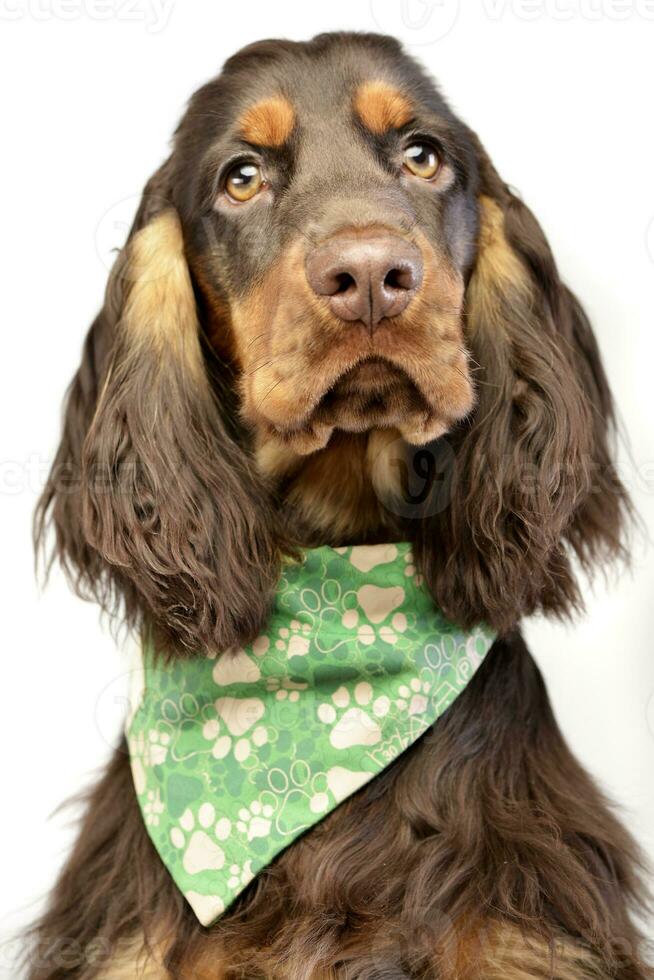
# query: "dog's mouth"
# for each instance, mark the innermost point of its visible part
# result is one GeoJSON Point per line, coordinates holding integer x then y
{"type": "Point", "coordinates": [373, 393]}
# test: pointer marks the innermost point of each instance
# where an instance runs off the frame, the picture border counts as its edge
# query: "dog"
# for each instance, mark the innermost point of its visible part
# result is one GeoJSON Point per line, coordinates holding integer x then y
{"type": "Point", "coordinates": [334, 324]}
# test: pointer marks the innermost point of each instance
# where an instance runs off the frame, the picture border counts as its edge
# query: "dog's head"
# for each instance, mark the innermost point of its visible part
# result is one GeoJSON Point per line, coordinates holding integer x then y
{"type": "Point", "coordinates": [328, 290]}
{"type": "Point", "coordinates": [328, 199]}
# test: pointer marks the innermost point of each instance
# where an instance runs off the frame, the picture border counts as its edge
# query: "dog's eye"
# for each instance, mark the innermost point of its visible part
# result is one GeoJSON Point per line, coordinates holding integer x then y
{"type": "Point", "coordinates": [243, 182]}
{"type": "Point", "coordinates": [422, 160]}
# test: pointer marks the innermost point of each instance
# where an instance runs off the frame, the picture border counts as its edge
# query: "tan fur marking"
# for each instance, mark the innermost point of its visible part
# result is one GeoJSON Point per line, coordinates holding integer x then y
{"type": "Point", "coordinates": [494, 951]}
{"type": "Point", "coordinates": [219, 328]}
{"type": "Point", "coordinates": [333, 490]}
{"type": "Point", "coordinates": [131, 963]}
{"type": "Point", "coordinates": [342, 488]}
{"type": "Point", "coordinates": [128, 971]}
{"type": "Point", "coordinates": [498, 269]}
{"type": "Point", "coordinates": [269, 122]}
{"type": "Point", "coordinates": [504, 952]}
{"type": "Point", "coordinates": [275, 458]}
{"type": "Point", "coordinates": [160, 308]}
{"type": "Point", "coordinates": [383, 452]}
{"type": "Point", "coordinates": [381, 107]}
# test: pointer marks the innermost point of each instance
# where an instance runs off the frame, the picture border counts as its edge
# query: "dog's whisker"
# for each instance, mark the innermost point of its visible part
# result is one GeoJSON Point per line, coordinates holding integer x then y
{"type": "Point", "coordinates": [269, 392]}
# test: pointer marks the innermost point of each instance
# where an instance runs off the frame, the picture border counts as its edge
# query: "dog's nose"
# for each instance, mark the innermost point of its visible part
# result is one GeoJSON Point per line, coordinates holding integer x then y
{"type": "Point", "coordinates": [366, 277]}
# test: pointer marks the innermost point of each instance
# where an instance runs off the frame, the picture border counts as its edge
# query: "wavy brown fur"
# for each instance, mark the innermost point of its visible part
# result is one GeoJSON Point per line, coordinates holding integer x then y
{"type": "Point", "coordinates": [157, 511]}
{"type": "Point", "coordinates": [534, 471]}
{"type": "Point", "coordinates": [485, 851]}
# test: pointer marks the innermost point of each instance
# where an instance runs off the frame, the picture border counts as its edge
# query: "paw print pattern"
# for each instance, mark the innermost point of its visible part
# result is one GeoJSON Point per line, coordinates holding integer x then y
{"type": "Point", "coordinates": [240, 875]}
{"type": "Point", "coordinates": [153, 808]}
{"type": "Point", "coordinates": [224, 742]}
{"type": "Point", "coordinates": [367, 634]}
{"type": "Point", "coordinates": [200, 851]}
{"type": "Point", "coordinates": [293, 640]}
{"type": "Point", "coordinates": [410, 570]}
{"type": "Point", "coordinates": [378, 604]}
{"type": "Point", "coordinates": [255, 821]}
{"type": "Point", "coordinates": [157, 750]}
{"type": "Point", "coordinates": [413, 698]}
{"type": "Point", "coordinates": [184, 717]}
{"type": "Point", "coordinates": [151, 747]}
{"type": "Point", "coordinates": [236, 668]}
{"type": "Point", "coordinates": [351, 724]}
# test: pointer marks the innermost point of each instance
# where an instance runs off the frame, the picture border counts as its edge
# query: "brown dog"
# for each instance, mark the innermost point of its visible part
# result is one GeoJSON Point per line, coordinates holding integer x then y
{"type": "Point", "coordinates": [334, 323]}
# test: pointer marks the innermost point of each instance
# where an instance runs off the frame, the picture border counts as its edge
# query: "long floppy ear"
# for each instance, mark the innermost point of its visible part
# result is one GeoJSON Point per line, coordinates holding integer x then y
{"type": "Point", "coordinates": [530, 473]}
{"type": "Point", "coordinates": [157, 510]}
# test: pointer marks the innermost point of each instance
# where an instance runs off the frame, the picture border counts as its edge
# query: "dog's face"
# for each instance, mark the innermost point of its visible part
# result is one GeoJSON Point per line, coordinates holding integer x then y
{"type": "Point", "coordinates": [318, 265]}
{"type": "Point", "coordinates": [332, 217]}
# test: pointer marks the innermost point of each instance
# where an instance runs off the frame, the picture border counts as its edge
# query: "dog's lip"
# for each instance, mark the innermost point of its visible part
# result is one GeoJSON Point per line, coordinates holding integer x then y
{"type": "Point", "coordinates": [314, 436]}
{"type": "Point", "coordinates": [294, 416]}
{"type": "Point", "coordinates": [371, 375]}
{"type": "Point", "coordinates": [366, 372]}
{"type": "Point", "coordinates": [370, 378]}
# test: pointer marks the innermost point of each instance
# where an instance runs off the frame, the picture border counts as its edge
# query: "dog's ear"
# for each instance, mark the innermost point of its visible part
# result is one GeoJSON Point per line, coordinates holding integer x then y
{"type": "Point", "coordinates": [156, 508]}
{"type": "Point", "coordinates": [529, 476]}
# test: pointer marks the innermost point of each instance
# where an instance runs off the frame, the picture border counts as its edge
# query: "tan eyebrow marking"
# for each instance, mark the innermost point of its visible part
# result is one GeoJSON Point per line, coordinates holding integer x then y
{"type": "Point", "coordinates": [382, 107]}
{"type": "Point", "coordinates": [269, 122]}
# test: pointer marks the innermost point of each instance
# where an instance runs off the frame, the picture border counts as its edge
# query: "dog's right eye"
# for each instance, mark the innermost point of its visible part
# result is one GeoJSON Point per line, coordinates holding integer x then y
{"type": "Point", "coordinates": [422, 160]}
{"type": "Point", "coordinates": [243, 182]}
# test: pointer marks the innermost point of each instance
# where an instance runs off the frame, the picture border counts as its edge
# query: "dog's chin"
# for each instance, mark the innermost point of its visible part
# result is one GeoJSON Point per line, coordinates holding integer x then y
{"type": "Point", "coordinates": [372, 395]}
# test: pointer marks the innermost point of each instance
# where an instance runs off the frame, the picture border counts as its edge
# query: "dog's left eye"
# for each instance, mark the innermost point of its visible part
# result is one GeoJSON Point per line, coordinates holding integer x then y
{"type": "Point", "coordinates": [243, 182]}
{"type": "Point", "coordinates": [422, 160]}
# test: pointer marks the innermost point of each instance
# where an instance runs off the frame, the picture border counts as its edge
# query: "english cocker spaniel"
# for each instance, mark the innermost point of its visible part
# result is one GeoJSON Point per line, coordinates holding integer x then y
{"type": "Point", "coordinates": [335, 333]}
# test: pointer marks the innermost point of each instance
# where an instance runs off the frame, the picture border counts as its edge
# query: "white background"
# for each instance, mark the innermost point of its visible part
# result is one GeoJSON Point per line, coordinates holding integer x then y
{"type": "Point", "coordinates": [559, 91]}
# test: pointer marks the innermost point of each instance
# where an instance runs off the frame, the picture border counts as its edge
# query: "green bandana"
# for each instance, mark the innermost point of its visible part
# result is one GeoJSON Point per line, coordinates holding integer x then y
{"type": "Point", "coordinates": [234, 758]}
